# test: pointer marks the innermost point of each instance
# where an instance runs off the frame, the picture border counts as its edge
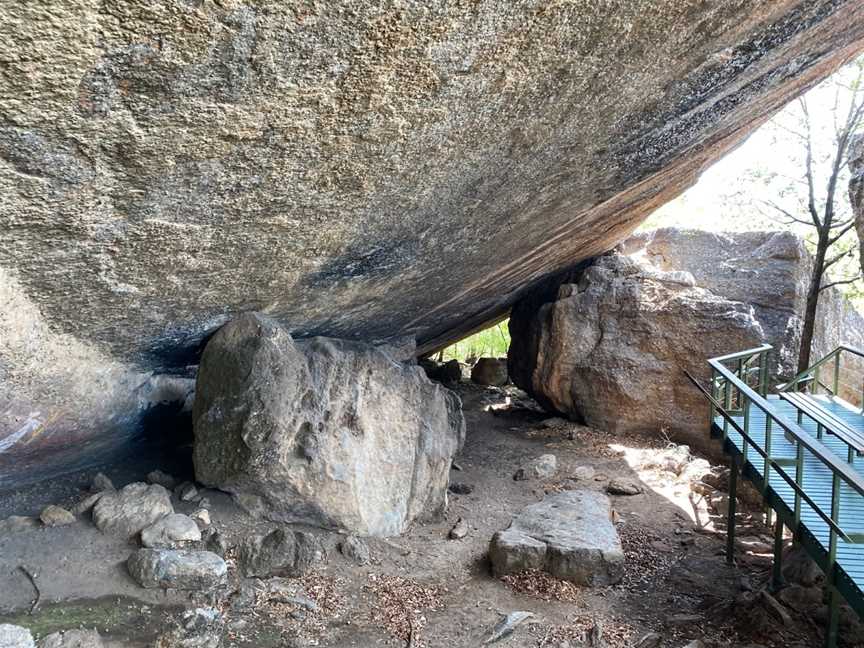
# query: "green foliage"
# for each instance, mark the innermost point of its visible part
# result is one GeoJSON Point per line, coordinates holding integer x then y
{"type": "Point", "coordinates": [491, 342]}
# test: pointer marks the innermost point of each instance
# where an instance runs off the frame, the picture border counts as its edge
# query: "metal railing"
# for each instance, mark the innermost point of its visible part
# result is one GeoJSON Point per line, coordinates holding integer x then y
{"type": "Point", "coordinates": [811, 378]}
{"type": "Point", "coordinates": [732, 397]}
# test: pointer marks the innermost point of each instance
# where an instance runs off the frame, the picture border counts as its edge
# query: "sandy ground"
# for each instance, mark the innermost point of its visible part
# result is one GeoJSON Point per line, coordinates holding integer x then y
{"type": "Point", "coordinates": [423, 589]}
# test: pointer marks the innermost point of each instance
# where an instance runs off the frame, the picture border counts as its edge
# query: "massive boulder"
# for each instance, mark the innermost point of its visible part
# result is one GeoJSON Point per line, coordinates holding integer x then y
{"type": "Point", "coordinates": [357, 169]}
{"type": "Point", "coordinates": [609, 343]}
{"type": "Point", "coordinates": [327, 432]}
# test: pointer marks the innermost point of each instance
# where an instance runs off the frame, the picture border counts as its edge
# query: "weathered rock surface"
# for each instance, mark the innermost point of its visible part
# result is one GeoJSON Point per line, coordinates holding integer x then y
{"type": "Point", "coordinates": [17, 524]}
{"type": "Point", "coordinates": [12, 636]}
{"type": "Point", "coordinates": [569, 534]}
{"type": "Point", "coordinates": [54, 515]}
{"type": "Point", "coordinates": [197, 628]}
{"type": "Point", "coordinates": [179, 569]}
{"type": "Point", "coordinates": [490, 371]}
{"type": "Point", "coordinates": [282, 552]}
{"type": "Point", "coordinates": [325, 432]}
{"type": "Point", "coordinates": [355, 549]}
{"type": "Point", "coordinates": [609, 344]}
{"type": "Point", "coordinates": [171, 531]}
{"type": "Point", "coordinates": [72, 639]}
{"type": "Point", "coordinates": [132, 508]}
{"type": "Point", "coordinates": [166, 165]}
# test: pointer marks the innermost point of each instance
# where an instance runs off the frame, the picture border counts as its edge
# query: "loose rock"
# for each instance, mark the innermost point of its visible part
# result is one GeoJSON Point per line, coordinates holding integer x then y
{"type": "Point", "coordinates": [355, 549]}
{"type": "Point", "coordinates": [165, 480]}
{"type": "Point", "coordinates": [620, 486]}
{"type": "Point", "coordinates": [281, 552]}
{"type": "Point", "coordinates": [72, 639]}
{"type": "Point", "coordinates": [87, 503]}
{"type": "Point", "coordinates": [53, 516]}
{"type": "Point", "coordinates": [569, 534]}
{"type": "Point", "coordinates": [171, 531]}
{"type": "Point", "coordinates": [543, 467]}
{"type": "Point", "coordinates": [458, 488]}
{"type": "Point", "coordinates": [187, 492]}
{"type": "Point", "coordinates": [459, 530]}
{"type": "Point", "coordinates": [12, 636]}
{"type": "Point", "coordinates": [100, 483]}
{"type": "Point", "coordinates": [201, 517]}
{"type": "Point", "coordinates": [131, 509]}
{"type": "Point", "coordinates": [179, 569]}
{"type": "Point", "coordinates": [198, 628]}
{"type": "Point", "coordinates": [490, 371]}
{"type": "Point", "coordinates": [507, 625]}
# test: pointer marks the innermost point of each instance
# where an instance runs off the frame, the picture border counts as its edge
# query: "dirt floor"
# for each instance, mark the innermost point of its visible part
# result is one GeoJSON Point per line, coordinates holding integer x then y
{"type": "Point", "coordinates": [423, 589]}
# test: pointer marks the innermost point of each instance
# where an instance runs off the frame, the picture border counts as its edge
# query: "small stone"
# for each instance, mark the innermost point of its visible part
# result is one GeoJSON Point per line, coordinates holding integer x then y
{"type": "Point", "coordinates": [54, 516]}
{"type": "Point", "coordinates": [455, 466]}
{"type": "Point", "coordinates": [178, 569]}
{"type": "Point", "coordinates": [543, 467]}
{"type": "Point", "coordinates": [134, 507]}
{"type": "Point", "coordinates": [72, 639]}
{"type": "Point", "coordinates": [100, 483]}
{"type": "Point", "coordinates": [753, 545]}
{"type": "Point", "coordinates": [204, 503]}
{"type": "Point", "coordinates": [187, 492]}
{"type": "Point", "coordinates": [458, 488]}
{"type": "Point", "coordinates": [625, 487]}
{"type": "Point", "coordinates": [171, 531]}
{"type": "Point", "coordinates": [459, 530]}
{"type": "Point", "coordinates": [87, 503]}
{"type": "Point", "coordinates": [650, 640]}
{"type": "Point", "coordinates": [776, 609]}
{"type": "Point", "coordinates": [12, 636]}
{"type": "Point", "coordinates": [17, 524]}
{"type": "Point", "coordinates": [201, 517]}
{"type": "Point", "coordinates": [507, 625]}
{"type": "Point", "coordinates": [585, 473]}
{"type": "Point", "coordinates": [163, 479]}
{"type": "Point", "coordinates": [198, 628]}
{"type": "Point", "coordinates": [355, 549]}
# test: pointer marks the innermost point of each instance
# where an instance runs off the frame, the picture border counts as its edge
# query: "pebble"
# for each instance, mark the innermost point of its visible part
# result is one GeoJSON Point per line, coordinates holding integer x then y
{"type": "Point", "coordinates": [459, 530]}
{"type": "Point", "coordinates": [625, 487]}
{"type": "Point", "coordinates": [201, 517]}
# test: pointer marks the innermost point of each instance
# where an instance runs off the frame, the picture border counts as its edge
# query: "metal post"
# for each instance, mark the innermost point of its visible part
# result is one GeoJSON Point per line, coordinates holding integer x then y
{"type": "Point", "coordinates": [711, 412]}
{"type": "Point", "coordinates": [830, 572]}
{"type": "Point", "coordinates": [836, 373]}
{"type": "Point", "coordinates": [744, 444]}
{"type": "Point", "coordinates": [727, 404]}
{"type": "Point", "coordinates": [799, 479]}
{"type": "Point", "coordinates": [766, 467]}
{"type": "Point", "coordinates": [763, 373]}
{"type": "Point", "coordinates": [777, 572]}
{"type": "Point", "coordinates": [815, 381]}
{"type": "Point", "coordinates": [730, 520]}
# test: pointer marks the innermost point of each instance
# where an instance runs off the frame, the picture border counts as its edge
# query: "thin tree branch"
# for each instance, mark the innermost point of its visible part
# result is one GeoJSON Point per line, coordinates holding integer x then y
{"type": "Point", "coordinates": [840, 234]}
{"type": "Point", "coordinates": [786, 213]}
{"type": "Point", "coordinates": [838, 283]}
{"type": "Point", "coordinates": [811, 189]}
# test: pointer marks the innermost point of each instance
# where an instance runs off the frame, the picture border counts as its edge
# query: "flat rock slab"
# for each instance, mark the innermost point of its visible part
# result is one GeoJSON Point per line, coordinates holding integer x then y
{"type": "Point", "coordinates": [171, 531]}
{"type": "Point", "coordinates": [570, 535]}
{"type": "Point", "coordinates": [186, 570]}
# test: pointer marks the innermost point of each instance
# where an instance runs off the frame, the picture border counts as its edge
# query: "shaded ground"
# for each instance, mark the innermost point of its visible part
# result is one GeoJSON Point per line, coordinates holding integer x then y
{"type": "Point", "coordinates": [423, 589]}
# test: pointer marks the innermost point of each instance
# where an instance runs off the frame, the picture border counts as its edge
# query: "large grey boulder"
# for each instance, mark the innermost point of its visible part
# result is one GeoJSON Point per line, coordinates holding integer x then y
{"type": "Point", "coordinates": [12, 636]}
{"type": "Point", "coordinates": [569, 534]}
{"type": "Point", "coordinates": [326, 432]}
{"type": "Point", "coordinates": [132, 508]}
{"type": "Point", "coordinates": [177, 569]}
{"type": "Point", "coordinates": [610, 343]}
{"type": "Point", "coordinates": [611, 348]}
{"type": "Point", "coordinates": [358, 169]}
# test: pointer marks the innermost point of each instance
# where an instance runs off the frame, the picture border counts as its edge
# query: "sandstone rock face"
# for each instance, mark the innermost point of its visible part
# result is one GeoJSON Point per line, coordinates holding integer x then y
{"type": "Point", "coordinates": [609, 344]}
{"type": "Point", "coordinates": [568, 534]}
{"type": "Point", "coordinates": [326, 432]}
{"type": "Point", "coordinates": [178, 569]}
{"type": "Point", "coordinates": [132, 508]}
{"type": "Point", "coordinates": [166, 165]}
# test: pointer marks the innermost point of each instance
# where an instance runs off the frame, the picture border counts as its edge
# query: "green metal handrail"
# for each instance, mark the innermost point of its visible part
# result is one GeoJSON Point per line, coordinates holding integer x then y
{"type": "Point", "coordinates": [732, 384]}
{"type": "Point", "coordinates": [812, 373]}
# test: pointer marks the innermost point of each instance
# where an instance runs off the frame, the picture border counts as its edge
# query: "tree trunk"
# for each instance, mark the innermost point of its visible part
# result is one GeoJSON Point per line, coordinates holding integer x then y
{"type": "Point", "coordinates": [813, 291]}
